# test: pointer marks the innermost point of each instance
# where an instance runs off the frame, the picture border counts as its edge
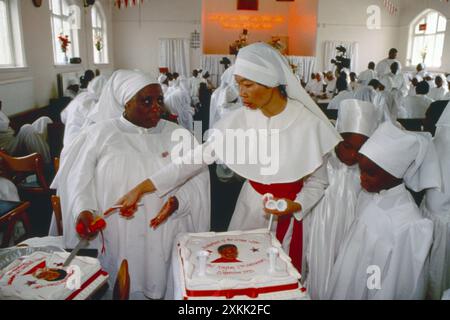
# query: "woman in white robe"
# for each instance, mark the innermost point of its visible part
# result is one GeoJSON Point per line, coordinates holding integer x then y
{"type": "Point", "coordinates": [436, 207]}
{"type": "Point", "coordinates": [386, 252]}
{"type": "Point", "coordinates": [75, 114]}
{"type": "Point", "coordinates": [110, 157]}
{"type": "Point", "coordinates": [334, 214]}
{"type": "Point", "coordinates": [292, 114]}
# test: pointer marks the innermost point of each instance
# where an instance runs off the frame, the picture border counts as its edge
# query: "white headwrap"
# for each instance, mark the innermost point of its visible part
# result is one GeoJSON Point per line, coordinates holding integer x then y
{"type": "Point", "coordinates": [120, 88]}
{"type": "Point", "coordinates": [365, 93]}
{"type": "Point", "coordinates": [405, 155]}
{"type": "Point", "coordinates": [162, 78]}
{"type": "Point", "coordinates": [357, 117]}
{"type": "Point", "coordinates": [96, 86]}
{"type": "Point", "coordinates": [261, 63]}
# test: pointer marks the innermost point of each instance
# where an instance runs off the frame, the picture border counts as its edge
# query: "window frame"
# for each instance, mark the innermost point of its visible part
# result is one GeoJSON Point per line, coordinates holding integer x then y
{"type": "Point", "coordinates": [14, 36]}
{"type": "Point", "coordinates": [104, 53]}
{"type": "Point", "coordinates": [413, 36]}
{"type": "Point", "coordinates": [73, 33]}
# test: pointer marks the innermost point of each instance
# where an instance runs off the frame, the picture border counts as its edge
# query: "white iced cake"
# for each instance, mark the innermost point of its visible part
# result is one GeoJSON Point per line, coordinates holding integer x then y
{"type": "Point", "coordinates": [41, 276]}
{"type": "Point", "coordinates": [236, 265]}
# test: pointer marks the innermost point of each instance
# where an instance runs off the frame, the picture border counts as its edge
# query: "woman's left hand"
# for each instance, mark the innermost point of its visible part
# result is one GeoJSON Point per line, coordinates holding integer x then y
{"type": "Point", "coordinates": [166, 211]}
{"type": "Point", "coordinates": [292, 207]}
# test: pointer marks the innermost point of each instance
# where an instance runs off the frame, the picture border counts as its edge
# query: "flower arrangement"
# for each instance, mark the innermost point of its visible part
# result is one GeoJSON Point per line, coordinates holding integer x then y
{"type": "Point", "coordinates": [424, 53]}
{"type": "Point", "coordinates": [98, 42]}
{"type": "Point", "coordinates": [239, 43]}
{"type": "Point", "coordinates": [64, 42]}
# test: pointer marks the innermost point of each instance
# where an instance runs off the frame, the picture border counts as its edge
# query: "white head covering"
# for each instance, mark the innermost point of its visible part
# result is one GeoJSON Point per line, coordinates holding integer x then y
{"type": "Point", "coordinates": [120, 88]}
{"type": "Point", "coordinates": [405, 155]}
{"type": "Point", "coordinates": [96, 86]}
{"type": "Point", "coordinates": [261, 63]}
{"type": "Point", "coordinates": [231, 94]}
{"type": "Point", "coordinates": [162, 78]}
{"type": "Point", "coordinates": [365, 93]}
{"type": "Point", "coordinates": [357, 117]}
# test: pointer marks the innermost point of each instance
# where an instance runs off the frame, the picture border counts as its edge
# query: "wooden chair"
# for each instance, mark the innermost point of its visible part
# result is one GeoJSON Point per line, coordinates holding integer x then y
{"type": "Point", "coordinates": [10, 213]}
{"type": "Point", "coordinates": [56, 164]}
{"type": "Point", "coordinates": [17, 169]}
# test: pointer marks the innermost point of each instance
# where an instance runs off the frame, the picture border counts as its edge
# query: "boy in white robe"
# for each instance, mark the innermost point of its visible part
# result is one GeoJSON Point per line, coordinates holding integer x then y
{"type": "Point", "coordinates": [104, 161]}
{"type": "Point", "coordinates": [332, 217]}
{"type": "Point", "coordinates": [415, 107]}
{"type": "Point", "coordinates": [384, 66]}
{"type": "Point", "coordinates": [436, 207]}
{"type": "Point", "coordinates": [385, 253]}
{"type": "Point", "coordinates": [366, 76]}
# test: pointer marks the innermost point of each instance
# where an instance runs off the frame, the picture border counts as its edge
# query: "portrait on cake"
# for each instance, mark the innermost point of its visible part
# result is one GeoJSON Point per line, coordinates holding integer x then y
{"type": "Point", "coordinates": [49, 274]}
{"type": "Point", "coordinates": [228, 254]}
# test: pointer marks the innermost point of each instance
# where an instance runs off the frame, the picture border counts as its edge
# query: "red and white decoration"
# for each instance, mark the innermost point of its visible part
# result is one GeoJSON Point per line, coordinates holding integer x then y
{"type": "Point", "coordinates": [391, 7]}
{"type": "Point", "coordinates": [125, 3]}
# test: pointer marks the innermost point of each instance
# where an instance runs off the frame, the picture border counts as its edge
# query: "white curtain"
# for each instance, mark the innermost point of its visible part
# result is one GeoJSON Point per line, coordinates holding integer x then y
{"type": "Point", "coordinates": [305, 66]}
{"type": "Point", "coordinates": [211, 63]}
{"type": "Point", "coordinates": [330, 52]}
{"type": "Point", "coordinates": [175, 55]}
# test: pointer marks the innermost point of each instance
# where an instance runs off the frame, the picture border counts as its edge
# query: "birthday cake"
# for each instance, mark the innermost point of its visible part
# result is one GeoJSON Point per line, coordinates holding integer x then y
{"type": "Point", "coordinates": [41, 276]}
{"type": "Point", "coordinates": [236, 265]}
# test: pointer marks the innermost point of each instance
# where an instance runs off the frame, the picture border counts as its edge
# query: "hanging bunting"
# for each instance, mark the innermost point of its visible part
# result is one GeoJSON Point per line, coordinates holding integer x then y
{"type": "Point", "coordinates": [120, 3]}
{"type": "Point", "coordinates": [390, 7]}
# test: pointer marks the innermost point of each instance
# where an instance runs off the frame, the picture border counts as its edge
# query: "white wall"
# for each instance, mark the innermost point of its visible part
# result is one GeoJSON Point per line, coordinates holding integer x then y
{"type": "Point", "coordinates": [40, 68]}
{"type": "Point", "coordinates": [346, 20]}
{"type": "Point", "coordinates": [410, 11]}
{"type": "Point", "coordinates": [137, 31]}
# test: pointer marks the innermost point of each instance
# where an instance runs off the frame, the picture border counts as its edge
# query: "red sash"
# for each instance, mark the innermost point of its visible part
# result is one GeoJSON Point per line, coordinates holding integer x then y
{"type": "Point", "coordinates": [286, 191]}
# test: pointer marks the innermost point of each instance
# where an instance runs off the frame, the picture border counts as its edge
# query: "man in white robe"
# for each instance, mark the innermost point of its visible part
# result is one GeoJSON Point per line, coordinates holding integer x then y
{"type": "Point", "coordinates": [385, 254]}
{"type": "Point", "coordinates": [366, 76]}
{"type": "Point", "coordinates": [395, 80]}
{"type": "Point", "coordinates": [317, 86]}
{"type": "Point", "coordinates": [297, 116]}
{"type": "Point", "coordinates": [330, 81]}
{"type": "Point", "coordinates": [30, 138]}
{"type": "Point", "coordinates": [384, 66]}
{"type": "Point", "coordinates": [334, 214]}
{"type": "Point", "coordinates": [194, 85]}
{"type": "Point", "coordinates": [75, 114]}
{"type": "Point", "coordinates": [436, 207]}
{"type": "Point", "coordinates": [102, 163]}
{"type": "Point", "coordinates": [415, 107]}
{"type": "Point", "coordinates": [310, 83]}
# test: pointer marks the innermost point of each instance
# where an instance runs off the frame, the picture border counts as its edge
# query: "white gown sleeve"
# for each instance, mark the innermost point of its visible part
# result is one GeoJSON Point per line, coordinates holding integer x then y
{"type": "Point", "coordinates": [194, 199]}
{"type": "Point", "coordinates": [313, 190]}
{"type": "Point", "coordinates": [176, 173]}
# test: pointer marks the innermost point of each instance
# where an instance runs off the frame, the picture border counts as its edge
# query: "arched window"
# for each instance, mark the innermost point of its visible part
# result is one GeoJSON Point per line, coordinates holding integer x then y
{"type": "Point", "coordinates": [99, 34]}
{"type": "Point", "coordinates": [65, 25]}
{"type": "Point", "coordinates": [427, 39]}
{"type": "Point", "coordinates": [11, 45]}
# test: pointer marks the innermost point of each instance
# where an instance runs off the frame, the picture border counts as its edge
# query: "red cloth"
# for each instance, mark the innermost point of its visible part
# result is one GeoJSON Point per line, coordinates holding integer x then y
{"type": "Point", "coordinates": [286, 191]}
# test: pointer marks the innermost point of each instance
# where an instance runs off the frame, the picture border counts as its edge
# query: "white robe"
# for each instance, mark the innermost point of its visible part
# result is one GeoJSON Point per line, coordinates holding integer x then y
{"type": "Point", "coordinates": [75, 115]}
{"type": "Point", "coordinates": [436, 207]}
{"type": "Point", "coordinates": [415, 107]}
{"type": "Point", "coordinates": [330, 222]}
{"type": "Point", "coordinates": [30, 138]}
{"type": "Point", "coordinates": [395, 81]}
{"type": "Point", "coordinates": [437, 93]}
{"type": "Point", "coordinates": [103, 163]}
{"type": "Point", "coordinates": [389, 236]}
{"type": "Point", "coordinates": [317, 87]}
{"type": "Point", "coordinates": [8, 190]}
{"type": "Point", "coordinates": [336, 101]}
{"type": "Point", "coordinates": [384, 67]}
{"type": "Point", "coordinates": [366, 76]}
{"type": "Point", "coordinates": [179, 103]}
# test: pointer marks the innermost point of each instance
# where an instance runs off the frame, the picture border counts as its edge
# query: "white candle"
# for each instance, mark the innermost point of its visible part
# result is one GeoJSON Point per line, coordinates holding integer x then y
{"type": "Point", "coordinates": [273, 254]}
{"type": "Point", "coordinates": [202, 257]}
